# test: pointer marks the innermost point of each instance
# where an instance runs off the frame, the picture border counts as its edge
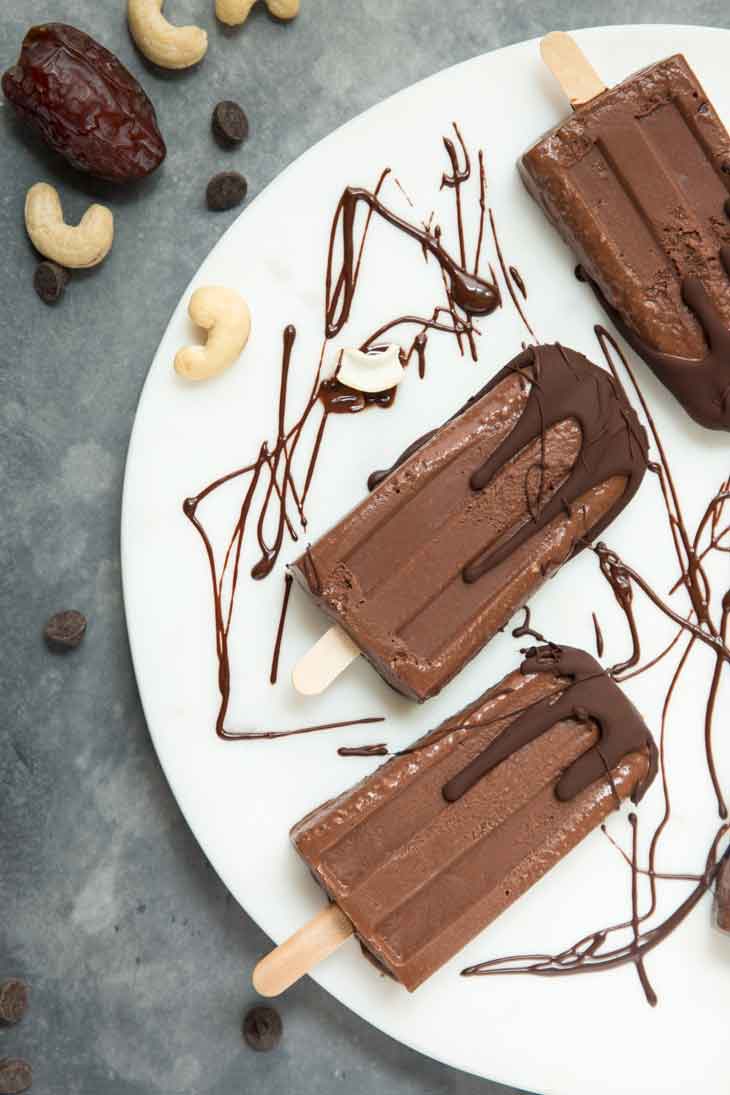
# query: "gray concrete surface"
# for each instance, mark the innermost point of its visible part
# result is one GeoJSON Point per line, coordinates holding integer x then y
{"type": "Point", "coordinates": [137, 955]}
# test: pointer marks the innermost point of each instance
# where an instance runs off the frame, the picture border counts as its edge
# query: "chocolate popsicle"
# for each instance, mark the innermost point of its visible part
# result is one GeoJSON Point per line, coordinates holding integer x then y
{"type": "Point", "coordinates": [637, 181]}
{"type": "Point", "coordinates": [722, 895]}
{"type": "Point", "coordinates": [424, 853]}
{"type": "Point", "coordinates": [472, 519]}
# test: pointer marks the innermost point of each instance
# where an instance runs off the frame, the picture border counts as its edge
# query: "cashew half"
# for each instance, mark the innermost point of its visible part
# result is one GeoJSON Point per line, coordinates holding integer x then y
{"type": "Point", "coordinates": [168, 46]}
{"type": "Point", "coordinates": [224, 314]}
{"type": "Point", "coordinates": [235, 12]}
{"type": "Point", "coordinates": [74, 247]}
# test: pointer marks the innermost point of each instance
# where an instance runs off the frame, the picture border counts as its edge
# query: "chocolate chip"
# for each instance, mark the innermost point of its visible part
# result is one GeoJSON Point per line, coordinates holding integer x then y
{"type": "Point", "coordinates": [13, 1000]}
{"type": "Point", "coordinates": [16, 1075]}
{"type": "Point", "coordinates": [65, 630]}
{"type": "Point", "coordinates": [230, 124]}
{"type": "Point", "coordinates": [226, 190]}
{"type": "Point", "coordinates": [262, 1028]}
{"type": "Point", "coordinates": [50, 281]}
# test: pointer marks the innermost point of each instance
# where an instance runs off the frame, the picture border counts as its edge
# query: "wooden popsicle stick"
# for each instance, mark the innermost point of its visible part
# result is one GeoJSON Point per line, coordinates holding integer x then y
{"type": "Point", "coordinates": [329, 656]}
{"type": "Point", "coordinates": [571, 68]}
{"type": "Point", "coordinates": [327, 931]}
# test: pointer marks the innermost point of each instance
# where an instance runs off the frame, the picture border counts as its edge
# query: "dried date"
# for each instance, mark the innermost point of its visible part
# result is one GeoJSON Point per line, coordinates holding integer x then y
{"type": "Point", "coordinates": [85, 104]}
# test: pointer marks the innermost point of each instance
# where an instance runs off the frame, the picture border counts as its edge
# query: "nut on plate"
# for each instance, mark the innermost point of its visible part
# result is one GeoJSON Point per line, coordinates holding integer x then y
{"type": "Point", "coordinates": [375, 370]}
{"type": "Point", "coordinates": [224, 314]}
{"type": "Point", "coordinates": [235, 12]}
{"type": "Point", "coordinates": [75, 247]}
{"type": "Point", "coordinates": [160, 41]}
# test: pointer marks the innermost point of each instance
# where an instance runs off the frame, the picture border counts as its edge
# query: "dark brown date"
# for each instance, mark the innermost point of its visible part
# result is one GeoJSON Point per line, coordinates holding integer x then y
{"type": "Point", "coordinates": [85, 104]}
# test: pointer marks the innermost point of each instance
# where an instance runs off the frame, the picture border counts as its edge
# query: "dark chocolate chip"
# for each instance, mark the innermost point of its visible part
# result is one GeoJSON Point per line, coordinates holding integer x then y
{"type": "Point", "coordinates": [50, 281]}
{"type": "Point", "coordinates": [262, 1028]}
{"type": "Point", "coordinates": [13, 1000]}
{"type": "Point", "coordinates": [226, 190]}
{"type": "Point", "coordinates": [230, 124]}
{"type": "Point", "coordinates": [65, 630]}
{"type": "Point", "coordinates": [16, 1075]}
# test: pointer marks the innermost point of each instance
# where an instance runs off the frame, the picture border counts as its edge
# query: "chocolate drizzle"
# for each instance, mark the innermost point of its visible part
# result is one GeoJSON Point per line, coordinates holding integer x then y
{"type": "Point", "coordinates": [593, 953]}
{"type": "Point", "coordinates": [379, 750]}
{"type": "Point", "coordinates": [518, 280]}
{"type": "Point", "coordinates": [589, 695]}
{"type": "Point", "coordinates": [524, 630]}
{"type": "Point", "coordinates": [474, 295]}
{"type": "Point", "coordinates": [288, 580]}
{"type": "Point", "coordinates": [702, 387]}
{"type": "Point", "coordinates": [273, 469]}
{"type": "Point", "coordinates": [563, 385]}
{"type": "Point", "coordinates": [338, 398]}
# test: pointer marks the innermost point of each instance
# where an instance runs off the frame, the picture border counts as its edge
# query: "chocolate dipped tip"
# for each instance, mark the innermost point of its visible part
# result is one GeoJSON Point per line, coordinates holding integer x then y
{"type": "Point", "coordinates": [589, 695]}
{"type": "Point", "coordinates": [701, 386]}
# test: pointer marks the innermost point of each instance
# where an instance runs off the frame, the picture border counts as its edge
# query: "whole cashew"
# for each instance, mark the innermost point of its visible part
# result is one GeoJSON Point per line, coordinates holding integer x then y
{"type": "Point", "coordinates": [235, 12]}
{"type": "Point", "coordinates": [168, 46]}
{"type": "Point", "coordinates": [224, 314]}
{"type": "Point", "coordinates": [74, 247]}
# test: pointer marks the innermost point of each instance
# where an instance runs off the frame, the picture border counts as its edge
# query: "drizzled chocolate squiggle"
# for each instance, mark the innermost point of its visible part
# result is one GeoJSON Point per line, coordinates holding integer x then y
{"type": "Point", "coordinates": [273, 494]}
{"type": "Point", "coordinates": [593, 953]}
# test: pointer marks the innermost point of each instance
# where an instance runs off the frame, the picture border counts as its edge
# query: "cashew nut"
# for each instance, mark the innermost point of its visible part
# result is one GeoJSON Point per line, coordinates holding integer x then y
{"type": "Point", "coordinates": [224, 314]}
{"type": "Point", "coordinates": [371, 371]}
{"type": "Point", "coordinates": [235, 12]}
{"type": "Point", "coordinates": [168, 46]}
{"type": "Point", "coordinates": [74, 247]}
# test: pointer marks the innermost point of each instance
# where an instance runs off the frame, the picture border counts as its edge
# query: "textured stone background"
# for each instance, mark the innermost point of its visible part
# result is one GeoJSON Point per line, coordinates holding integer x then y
{"type": "Point", "coordinates": [138, 956]}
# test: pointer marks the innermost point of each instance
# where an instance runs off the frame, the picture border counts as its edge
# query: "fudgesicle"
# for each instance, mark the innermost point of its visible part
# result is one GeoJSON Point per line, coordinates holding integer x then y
{"type": "Point", "coordinates": [473, 517]}
{"type": "Point", "coordinates": [637, 183]}
{"type": "Point", "coordinates": [423, 854]}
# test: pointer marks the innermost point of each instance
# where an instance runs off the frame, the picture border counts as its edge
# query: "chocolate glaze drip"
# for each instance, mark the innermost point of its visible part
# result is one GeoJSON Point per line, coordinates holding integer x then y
{"type": "Point", "coordinates": [599, 635]}
{"type": "Point", "coordinates": [525, 631]}
{"type": "Point", "coordinates": [506, 275]}
{"type": "Point", "coordinates": [338, 398]}
{"type": "Point", "coordinates": [702, 387]}
{"type": "Point", "coordinates": [615, 574]}
{"type": "Point", "coordinates": [590, 694]}
{"type": "Point", "coordinates": [379, 750]}
{"type": "Point", "coordinates": [288, 580]}
{"type": "Point", "coordinates": [565, 385]}
{"type": "Point", "coordinates": [518, 280]}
